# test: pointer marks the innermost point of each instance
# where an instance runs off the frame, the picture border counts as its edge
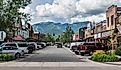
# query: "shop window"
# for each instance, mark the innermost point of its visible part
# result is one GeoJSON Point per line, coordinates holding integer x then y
{"type": "Point", "coordinates": [112, 19]}
{"type": "Point", "coordinates": [108, 21]}
{"type": "Point", "coordinates": [2, 35]}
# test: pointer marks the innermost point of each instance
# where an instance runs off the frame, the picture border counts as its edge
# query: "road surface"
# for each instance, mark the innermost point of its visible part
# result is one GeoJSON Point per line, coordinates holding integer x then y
{"type": "Point", "coordinates": [52, 54]}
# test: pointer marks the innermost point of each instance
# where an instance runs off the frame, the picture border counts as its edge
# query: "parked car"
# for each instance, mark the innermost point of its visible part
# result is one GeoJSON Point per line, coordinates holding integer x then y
{"type": "Point", "coordinates": [44, 44]}
{"type": "Point", "coordinates": [59, 45]}
{"type": "Point", "coordinates": [39, 45]}
{"type": "Point", "coordinates": [21, 45]}
{"type": "Point", "coordinates": [17, 52]}
{"type": "Point", "coordinates": [31, 48]}
{"type": "Point", "coordinates": [34, 45]}
{"type": "Point", "coordinates": [74, 46]}
{"type": "Point", "coordinates": [67, 45]}
{"type": "Point", "coordinates": [48, 44]}
{"type": "Point", "coordinates": [88, 48]}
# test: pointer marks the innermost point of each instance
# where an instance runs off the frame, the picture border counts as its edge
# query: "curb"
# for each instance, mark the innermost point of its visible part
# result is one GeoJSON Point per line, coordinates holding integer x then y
{"type": "Point", "coordinates": [113, 63]}
{"type": "Point", "coordinates": [109, 63]}
{"type": "Point", "coordinates": [88, 60]}
{"type": "Point", "coordinates": [68, 49]}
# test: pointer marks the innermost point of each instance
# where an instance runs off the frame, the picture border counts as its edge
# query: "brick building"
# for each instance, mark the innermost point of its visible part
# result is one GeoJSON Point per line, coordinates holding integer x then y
{"type": "Point", "coordinates": [36, 35]}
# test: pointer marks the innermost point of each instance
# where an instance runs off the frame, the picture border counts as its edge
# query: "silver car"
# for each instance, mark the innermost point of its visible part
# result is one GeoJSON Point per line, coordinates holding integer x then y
{"type": "Point", "coordinates": [39, 45]}
{"type": "Point", "coordinates": [21, 45]}
{"type": "Point", "coordinates": [12, 50]}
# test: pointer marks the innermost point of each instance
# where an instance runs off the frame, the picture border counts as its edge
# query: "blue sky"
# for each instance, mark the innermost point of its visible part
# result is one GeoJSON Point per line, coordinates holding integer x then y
{"type": "Point", "coordinates": [68, 10]}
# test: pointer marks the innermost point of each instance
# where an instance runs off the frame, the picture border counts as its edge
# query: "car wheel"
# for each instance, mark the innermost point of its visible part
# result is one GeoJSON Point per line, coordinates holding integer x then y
{"type": "Point", "coordinates": [82, 54]}
{"type": "Point", "coordinates": [77, 53]}
{"type": "Point", "coordinates": [30, 50]}
{"type": "Point", "coordinates": [17, 55]}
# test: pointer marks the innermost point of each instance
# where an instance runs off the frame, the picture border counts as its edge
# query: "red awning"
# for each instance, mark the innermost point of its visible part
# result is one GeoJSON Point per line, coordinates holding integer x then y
{"type": "Point", "coordinates": [18, 37]}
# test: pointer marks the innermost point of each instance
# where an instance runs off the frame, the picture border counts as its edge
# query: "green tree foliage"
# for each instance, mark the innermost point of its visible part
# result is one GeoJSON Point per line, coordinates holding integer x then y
{"type": "Point", "coordinates": [47, 37]}
{"type": "Point", "coordinates": [58, 38]}
{"type": "Point", "coordinates": [9, 13]}
{"type": "Point", "coordinates": [50, 38]}
{"type": "Point", "coordinates": [67, 35]}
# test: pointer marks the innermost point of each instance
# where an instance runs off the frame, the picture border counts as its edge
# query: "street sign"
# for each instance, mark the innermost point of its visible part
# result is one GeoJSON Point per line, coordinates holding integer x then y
{"type": "Point", "coordinates": [2, 35]}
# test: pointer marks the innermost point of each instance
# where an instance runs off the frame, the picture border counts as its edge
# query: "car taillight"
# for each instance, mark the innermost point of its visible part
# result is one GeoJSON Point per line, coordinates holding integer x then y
{"type": "Point", "coordinates": [81, 47]}
{"type": "Point", "coordinates": [85, 47]}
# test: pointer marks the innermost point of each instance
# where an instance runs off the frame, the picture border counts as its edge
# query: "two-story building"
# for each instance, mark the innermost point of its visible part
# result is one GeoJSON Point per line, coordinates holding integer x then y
{"type": "Point", "coordinates": [76, 37]}
{"type": "Point", "coordinates": [112, 14]}
{"type": "Point", "coordinates": [82, 33]}
{"type": "Point", "coordinates": [36, 35]}
{"type": "Point", "coordinates": [89, 32]}
{"type": "Point", "coordinates": [119, 28]}
{"type": "Point", "coordinates": [30, 30]}
{"type": "Point", "coordinates": [99, 30]}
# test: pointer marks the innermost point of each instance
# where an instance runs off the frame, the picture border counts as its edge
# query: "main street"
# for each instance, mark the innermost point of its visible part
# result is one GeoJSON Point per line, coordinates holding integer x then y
{"type": "Point", "coordinates": [53, 58]}
{"type": "Point", "coordinates": [52, 54]}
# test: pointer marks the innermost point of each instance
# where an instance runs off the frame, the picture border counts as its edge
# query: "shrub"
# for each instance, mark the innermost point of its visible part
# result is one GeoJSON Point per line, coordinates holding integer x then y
{"type": "Point", "coordinates": [98, 53]}
{"type": "Point", "coordinates": [6, 57]}
{"type": "Point", "coordinates": [110, 52]}
{"type": "Point", "coordinates": [118, 51]}
{"type": "Point", "coordinates": [101, 56]}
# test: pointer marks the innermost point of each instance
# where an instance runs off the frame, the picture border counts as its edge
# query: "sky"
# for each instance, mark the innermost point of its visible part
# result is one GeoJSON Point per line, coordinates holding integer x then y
{"type": "Point", "coordinates": [68, 11]}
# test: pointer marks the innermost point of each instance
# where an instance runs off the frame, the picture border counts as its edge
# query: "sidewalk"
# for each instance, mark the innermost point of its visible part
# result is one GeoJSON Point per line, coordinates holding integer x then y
{"type": "Point", "coordinates": [51, 64]}
{"type": "Point", "coordinates": [86, 59]}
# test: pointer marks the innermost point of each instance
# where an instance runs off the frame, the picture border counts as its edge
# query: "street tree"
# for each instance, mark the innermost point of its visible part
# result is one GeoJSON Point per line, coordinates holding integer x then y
{"type": "Point", "coordinates": [9, 13]}
{"type": "Point", "coordinates": [67, 35]}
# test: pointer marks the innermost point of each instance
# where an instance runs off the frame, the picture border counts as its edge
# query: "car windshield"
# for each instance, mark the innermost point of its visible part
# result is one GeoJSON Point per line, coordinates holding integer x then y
{"type": "Point", "coordinates": [38, 43]}
{"type": "Point", "coordinates": [1, 45]}
{"type": "Point", "coordinates": [22, 45]}
{"type": "Point", "coordinates": [10, 45]}
{"type": "Point", "coordinates": [9, 48]}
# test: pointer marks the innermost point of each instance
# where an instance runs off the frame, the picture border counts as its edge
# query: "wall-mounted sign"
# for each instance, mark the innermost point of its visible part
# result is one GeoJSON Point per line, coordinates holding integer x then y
{"type": "Point", "coordinates": [2, 35]}
{"type": "Point", "coordinates": [119, 28]}
{"type": "Point", "coordinates": [97, 35]}
{"type": "Point", "coordinates": [105, 34]}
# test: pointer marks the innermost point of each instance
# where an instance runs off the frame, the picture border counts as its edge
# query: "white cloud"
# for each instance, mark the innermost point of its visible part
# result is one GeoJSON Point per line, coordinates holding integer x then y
{"type": "Point", "coordinates": [119, 0]}
{"type": "Point", "coordinates": [26, 10]}
{"type": "Point", "coordinates": [96, 18]}
{"type": "Point", "coordinates": [73, 10]}
{"type": "Point", "coordinates": [87, 5]}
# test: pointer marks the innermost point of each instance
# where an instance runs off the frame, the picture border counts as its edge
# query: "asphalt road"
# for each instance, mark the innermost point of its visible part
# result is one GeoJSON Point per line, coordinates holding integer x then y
{"type": "Point", "coordinates": [60, 68]}
{"type": "Point", "coordinates": [48, 58]}
{"type": "Point", "coordinates": [52, 54]}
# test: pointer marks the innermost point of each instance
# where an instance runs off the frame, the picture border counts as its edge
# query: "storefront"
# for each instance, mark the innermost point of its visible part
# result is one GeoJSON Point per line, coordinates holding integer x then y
{"type": "Point", "coordinates": [119, 34]}
{"type": "Point", "coordinates": [90, 39]}
{"type": "Point", "coordinates": [97, 37]}
{"type": "Point", "coordinates": [105, 36]}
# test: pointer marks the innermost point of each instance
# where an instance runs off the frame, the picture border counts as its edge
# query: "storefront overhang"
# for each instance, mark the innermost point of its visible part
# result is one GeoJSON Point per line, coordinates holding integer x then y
{"type": "Point", "coordinates": [18, 38]}
{"type": "Point", "coordinates": [106, 34]}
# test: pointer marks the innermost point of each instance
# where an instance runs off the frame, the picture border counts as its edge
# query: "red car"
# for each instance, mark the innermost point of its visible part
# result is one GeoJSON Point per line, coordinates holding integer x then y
{"type": "Point", "coordinates": [88, 48]}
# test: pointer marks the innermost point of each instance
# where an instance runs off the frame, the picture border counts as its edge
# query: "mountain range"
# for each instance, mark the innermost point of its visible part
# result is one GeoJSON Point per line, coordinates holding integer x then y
{"type": "Point", "coordinates": [57, 28]}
